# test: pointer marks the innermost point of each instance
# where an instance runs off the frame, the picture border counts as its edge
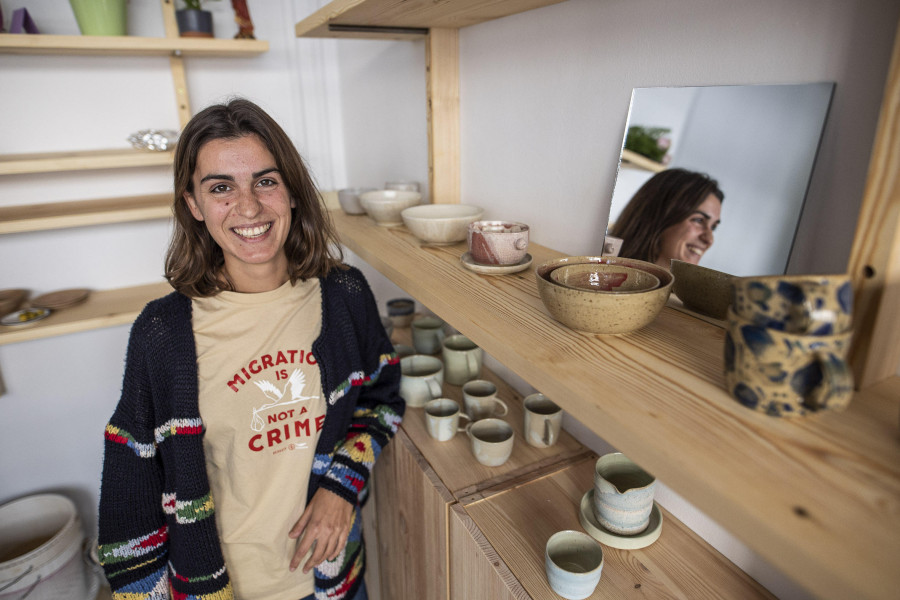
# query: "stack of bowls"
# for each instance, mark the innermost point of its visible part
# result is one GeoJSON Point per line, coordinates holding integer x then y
{"type": "Point", "coordinates": [603, 294]}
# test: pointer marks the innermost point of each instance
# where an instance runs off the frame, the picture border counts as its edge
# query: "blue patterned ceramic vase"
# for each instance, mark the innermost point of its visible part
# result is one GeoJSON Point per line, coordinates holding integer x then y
{"type": "Point", "coordinates": [783, 374]}
{"type": "Point", "coordinates": [808, 304]}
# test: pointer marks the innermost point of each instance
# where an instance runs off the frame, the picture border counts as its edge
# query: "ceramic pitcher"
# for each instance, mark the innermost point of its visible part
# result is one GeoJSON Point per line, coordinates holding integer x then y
{"type": "Point", "coordinates": [623, 494]}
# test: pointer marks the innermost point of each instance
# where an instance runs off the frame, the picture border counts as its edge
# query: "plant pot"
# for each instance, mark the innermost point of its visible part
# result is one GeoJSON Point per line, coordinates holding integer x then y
{"type": "Point", "coordinates": [101, 17]}
{"type": "Point", "coordinates": [194, 23]}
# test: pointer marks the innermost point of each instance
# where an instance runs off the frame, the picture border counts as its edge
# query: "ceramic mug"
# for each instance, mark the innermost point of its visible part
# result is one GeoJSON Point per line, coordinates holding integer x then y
{"type": "Point", "coordinates": [481, 401]}
{"type": "Point", "coordinates": [497, 242]}
{"type": "Point", "coordinates": [421, 378]}
{"type": "Point", "coordinates": [442, 417]}
{"type": "Point", "coordinates": [462, 359]}
{"type": "Point", "coordinates": [623, 494]}
{"type": "Point", "coordinates": [807, 304]}
{"type": "Point", "coordinates": [543, 420]}
{"type": "Point", "coordinates": [783, 374]}
{"type": "Point", "coordinates": [401, 311]}
{"type": "Point", "coordinates": [427, 335]}
{"type": "Point", "coordinates": [492, 441]}
{"type": "Point", "coordinates": [574, 564]}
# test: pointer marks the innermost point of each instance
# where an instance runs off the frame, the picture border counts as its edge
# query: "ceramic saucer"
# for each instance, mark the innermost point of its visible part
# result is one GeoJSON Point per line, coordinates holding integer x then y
{"type": "Point", "coordinates": [469, 263]}
{"type": "Point", "coordinates": [25, 317]}
{"type": "Point", "coordinates": [61, 299]}
{"type": "Point", "coordinates": [616, 540]}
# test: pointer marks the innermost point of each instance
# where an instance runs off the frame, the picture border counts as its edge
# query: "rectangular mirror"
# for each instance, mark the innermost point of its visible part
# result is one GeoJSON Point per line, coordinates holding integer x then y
{"type": "Point", "coordinates": [759, 142]}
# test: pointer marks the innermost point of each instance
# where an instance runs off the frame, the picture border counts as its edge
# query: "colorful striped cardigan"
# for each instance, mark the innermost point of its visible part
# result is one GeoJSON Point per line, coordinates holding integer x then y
{"type": "Point", "coordinates": [157, 530]}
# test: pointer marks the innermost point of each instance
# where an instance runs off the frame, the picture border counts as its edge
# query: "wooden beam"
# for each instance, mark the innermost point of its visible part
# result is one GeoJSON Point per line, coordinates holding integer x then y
{"type": "Point", "coordinates": [442, 72]}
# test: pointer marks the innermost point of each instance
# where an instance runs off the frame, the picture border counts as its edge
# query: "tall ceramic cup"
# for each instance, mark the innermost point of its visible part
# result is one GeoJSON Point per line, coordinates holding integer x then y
{"type": "Point", "coordinates": [623, 494]}
{"type": "Point", "coordinates": [442, 417]}
{"type": "Point", "coordinates": [492, 441]}
{"type": "Point", "coordinates": [783, 374]}
{"type": "Point", "coordinates": [543, 420]}
{"type": "Point", "coordinates": [427, 335]}
{"type": "Point", "coordinates": [481, 401]}
{"type": "Point", "coordinates": [421, 378]}
{"type": "Point", "coordinates": [574, 564]}
{"type": "Point", "coordinates": [804, 304]}
{"type": "Point", "coordinates": [462, 359]}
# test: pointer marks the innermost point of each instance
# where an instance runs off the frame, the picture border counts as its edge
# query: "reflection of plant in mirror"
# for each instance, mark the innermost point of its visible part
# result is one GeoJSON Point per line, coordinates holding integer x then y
{"type": "Point", "coordinates": [648, 141]}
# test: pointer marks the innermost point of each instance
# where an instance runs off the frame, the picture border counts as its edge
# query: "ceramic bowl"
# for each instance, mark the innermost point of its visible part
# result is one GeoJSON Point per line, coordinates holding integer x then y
{"type": "Point", "coordinates": [603, 313]}
{"type": "Point", "coordinates": [349, 200]}
{"type": "Point", "coordinates": [11, 300]}
{"type": "Point", "coordinates": [440, 223]}
{"type": "Point", "coordinates": [615, 279]}
{"type": "Point", "coordinates": [385, 206]}
{"type": "Point", "coordinates": [701, 289]}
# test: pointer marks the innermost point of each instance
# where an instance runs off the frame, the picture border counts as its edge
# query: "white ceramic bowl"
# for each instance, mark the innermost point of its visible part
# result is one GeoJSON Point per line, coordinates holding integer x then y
{"type": "Point", "coordinates": [607, 313]}
{"type": "Point", "coordinates": [349, 200]}
{"type": "Point", "coordinates": [385, 206]}
{"type": "Point", "coordinates": [440, 223]}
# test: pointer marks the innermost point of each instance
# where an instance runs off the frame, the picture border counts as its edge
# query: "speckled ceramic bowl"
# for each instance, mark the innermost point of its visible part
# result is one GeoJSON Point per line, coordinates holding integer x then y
{"type": "Point", "coordinates": [440, 223]}
{"type": "Point", "coordinates": [608, 313]}
{"type": "Point", "coordinates": [702, 290]}
{"type": "Point", "coordinates": [385, 206]}
{"type": "Point", "coordinates": [596, 277]}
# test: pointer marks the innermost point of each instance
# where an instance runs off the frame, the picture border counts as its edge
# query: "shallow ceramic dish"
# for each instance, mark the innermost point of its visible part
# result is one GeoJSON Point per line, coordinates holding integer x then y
{"type": "Point", "coordinates": [701, 289]}
{"type": "Point", "coordinates": [440, 223]}
{"type": "Point", "coordinates": [614, 540]}
{"type": "Point", "coordinates": [468, 262]}
{"type": "Point", "coordinates": [26, 316]}
{"type": "Point", "coordinates": [385, 206]}
{"type": "Point", "coordinates": [615, 279]}
{"type": "Point", "coordinates": [603, 313]}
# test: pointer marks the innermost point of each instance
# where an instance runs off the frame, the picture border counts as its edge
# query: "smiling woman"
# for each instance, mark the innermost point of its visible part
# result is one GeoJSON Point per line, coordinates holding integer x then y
{"type": "Point", "coordinates": [673, 215]}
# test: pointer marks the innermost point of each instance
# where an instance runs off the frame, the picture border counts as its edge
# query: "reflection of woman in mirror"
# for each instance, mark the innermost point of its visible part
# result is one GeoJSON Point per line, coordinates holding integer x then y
{"type": "Point", "coordinates": [673, 215]}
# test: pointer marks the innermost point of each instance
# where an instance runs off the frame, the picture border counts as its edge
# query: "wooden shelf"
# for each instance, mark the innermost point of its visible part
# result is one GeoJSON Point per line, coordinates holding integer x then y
{"type": "Point", "coordinates": [635, 160]}
{"type": "Point", "coordinates": [103, 308]}
{"type": "Point", "coordinates": [50, 162]}
{"type": "Point", "coordinates": [387, 19]}
{"type": "Point", "coordinates": [58, 215]}
{"type": "Point", "coordinates": [127, 45]}
{"type": "Point", "coordinates": [817, 496]}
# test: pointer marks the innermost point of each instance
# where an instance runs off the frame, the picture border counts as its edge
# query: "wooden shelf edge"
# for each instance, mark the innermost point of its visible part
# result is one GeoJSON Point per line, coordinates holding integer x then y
{"type": "Point", "coordinates": [128, 45]}
{"type": "Point", "coordinates": [818, 493]}
{"type": "Point", "coordinates": [59, 215]}
{"type": "Point", "coordinates": [103, 308]}
{"type": "Point", "coordinates": [641, 162]}
{"type": "Point", "coordinates": [52, 162]}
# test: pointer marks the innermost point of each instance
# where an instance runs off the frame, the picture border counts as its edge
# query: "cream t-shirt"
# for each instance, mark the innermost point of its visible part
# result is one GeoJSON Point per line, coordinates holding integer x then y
{"type": "Point", "coordinates": [261, 402]}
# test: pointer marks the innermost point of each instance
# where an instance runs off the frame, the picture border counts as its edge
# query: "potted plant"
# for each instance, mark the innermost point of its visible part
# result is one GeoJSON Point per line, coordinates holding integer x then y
{"type": "Point", "coordinates": [193, 21]}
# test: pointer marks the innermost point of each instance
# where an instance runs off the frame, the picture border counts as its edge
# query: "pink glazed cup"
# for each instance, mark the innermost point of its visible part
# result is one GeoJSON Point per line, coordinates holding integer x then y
{"type": "Point", "coordinates": [497, 242]}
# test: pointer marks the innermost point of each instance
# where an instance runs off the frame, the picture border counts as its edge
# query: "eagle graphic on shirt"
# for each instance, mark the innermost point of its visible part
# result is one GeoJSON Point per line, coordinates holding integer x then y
{"type": "Point", "coordinates": [279, 398]}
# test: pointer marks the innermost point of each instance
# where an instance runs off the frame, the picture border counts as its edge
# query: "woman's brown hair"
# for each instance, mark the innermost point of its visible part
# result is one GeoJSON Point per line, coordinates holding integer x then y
{"type": "Point", "coordinates": [193, 260]}
{"type": "Point", "coordinates": [667, 198]}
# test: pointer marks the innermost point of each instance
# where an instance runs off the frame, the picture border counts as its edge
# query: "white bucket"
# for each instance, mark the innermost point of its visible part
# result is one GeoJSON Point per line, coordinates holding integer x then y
{"type": "Point", "coordinates": [41, 551]}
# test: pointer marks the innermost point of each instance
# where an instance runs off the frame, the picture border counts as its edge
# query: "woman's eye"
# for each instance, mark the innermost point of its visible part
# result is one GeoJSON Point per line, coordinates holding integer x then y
{"type": "Point", "coordinates": [267, 182]}
{"type": "Point", "coordinates": [220, 188]}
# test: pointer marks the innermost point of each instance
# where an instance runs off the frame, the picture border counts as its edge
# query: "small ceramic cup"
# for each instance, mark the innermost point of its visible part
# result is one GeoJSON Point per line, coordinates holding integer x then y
{"type": "Point", "coordinates": [543, 420]}
{"type": "Point", "coordinates": [401, 311]}
{"type": "Point", "coordinates": [612, 245]}
{"type": "Point", "coordinates": [349, 200]}
{"type": "Point", "coordinates": [462, 359]}
{"type": "Point", "coordinates": [403, 186]}
{"type": "Point", "coordinates": [783, 374]}
{"type": "Point", "coordinates": [492, 441]}
{"type": "Point", "coordinates": [574, 564]}
{"type": "Point", "coordinates": [481, 401]}
{"type": "Point", "coordinates": [623, 494]}
{"type": "Point", "coordinates": [497, 242]}
{"type": "Point", "coordinates": [421, 378]}
{"type": "Point", "coordinates": [442, 417]}
{"type": "Point", "coordinates": [428, 335]}
{"type": "Point", "coordinates": [403, 350]}
{"type": "Point", "coordinates": [807, 304]}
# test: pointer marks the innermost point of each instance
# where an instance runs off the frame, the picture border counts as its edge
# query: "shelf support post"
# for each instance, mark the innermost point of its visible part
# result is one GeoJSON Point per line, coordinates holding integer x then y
{"type": "Point", "coordinates": [442, 89]}
{"type": "Point", "coordinates": [176, 64]}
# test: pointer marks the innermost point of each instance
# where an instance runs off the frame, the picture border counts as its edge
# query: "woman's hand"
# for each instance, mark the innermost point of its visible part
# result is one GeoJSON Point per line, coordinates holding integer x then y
{"type": "Point", "coordinates": [325, 522]}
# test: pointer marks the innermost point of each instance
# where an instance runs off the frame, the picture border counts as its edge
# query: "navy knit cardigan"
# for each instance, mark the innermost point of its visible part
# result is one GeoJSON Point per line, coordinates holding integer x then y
{"type": "Point", "coordinates": [157, 532]}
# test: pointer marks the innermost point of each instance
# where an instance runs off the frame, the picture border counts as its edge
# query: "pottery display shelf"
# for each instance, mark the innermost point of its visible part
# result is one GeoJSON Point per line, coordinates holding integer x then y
{"type": "Point", "coordinates": [821, 494]}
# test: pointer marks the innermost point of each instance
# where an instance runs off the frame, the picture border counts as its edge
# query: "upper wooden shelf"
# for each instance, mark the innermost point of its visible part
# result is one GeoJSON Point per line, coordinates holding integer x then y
{"type": "Point", "coordinates": [103, 308]}
{"type": "Point", "coordinates": [633, 159]}
{"type": "Point", "coordinates": [127, 45]}
{"type": "Point", "coordinates": [817, 496]}
{"type": "Point", "coordinates": [58, 215]}
{"type": "Point", "coordinates": [387, 19]}
{"type": "Point", "coordinates": [50, 162]}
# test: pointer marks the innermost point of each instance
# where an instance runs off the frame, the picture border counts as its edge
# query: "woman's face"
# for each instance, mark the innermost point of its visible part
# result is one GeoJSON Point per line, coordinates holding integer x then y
{"type": "Point", "coordinates": [691, 238]}
{"type": "Point", "coordinates": [242, 198]}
